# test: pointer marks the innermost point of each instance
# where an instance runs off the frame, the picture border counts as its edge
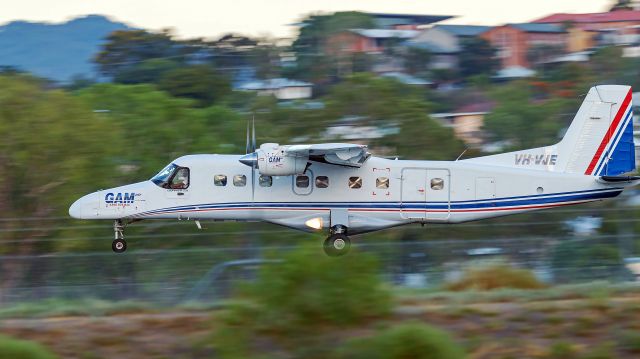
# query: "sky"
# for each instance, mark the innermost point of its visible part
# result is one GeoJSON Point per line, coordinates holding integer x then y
{"type": "Point", "coordinates": [212, 18]}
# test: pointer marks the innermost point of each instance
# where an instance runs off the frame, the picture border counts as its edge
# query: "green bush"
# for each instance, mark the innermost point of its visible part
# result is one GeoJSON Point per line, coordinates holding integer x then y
{"type": "Point", "coordinates": [496, 276]}
{"type": "Point", "coordinates": [297, 303]}
{"type": "Point", "coordinates": [11, 348]}
{"type": "Point", "coordinates": [408, 340]}
{"type": "Point", "coordinates": [308, 289]}
{"type": "Point", "coordinates": [630, 341]}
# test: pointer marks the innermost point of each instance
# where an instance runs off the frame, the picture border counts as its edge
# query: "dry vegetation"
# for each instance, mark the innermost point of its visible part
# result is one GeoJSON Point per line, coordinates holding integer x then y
{"type": "Point", "coordinates": [588, 327]}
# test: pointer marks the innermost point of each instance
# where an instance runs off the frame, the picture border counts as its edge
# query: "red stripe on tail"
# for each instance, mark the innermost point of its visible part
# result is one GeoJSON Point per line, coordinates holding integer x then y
{"type": "Point", "coordinates": [609, 134]}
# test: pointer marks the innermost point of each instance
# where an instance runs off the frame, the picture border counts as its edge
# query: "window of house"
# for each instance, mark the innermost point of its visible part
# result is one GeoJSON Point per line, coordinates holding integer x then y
{"type": "Point", "coordinates": [265, 181]}
{"type": "Point", "coordinates": [322, 182]}
{"type": "Point", "coordinates": [220, 180]}
{"type": "Point", "coordinates": [355, 182]}
{"type": "Point", "coordinates": [437, 184]}
{"type": "Point", "coordinates": [239, 180]}
{"type": "Point", "coordinates": [302, 181]}
{"type": "Point", "coordinates": [382, 182]}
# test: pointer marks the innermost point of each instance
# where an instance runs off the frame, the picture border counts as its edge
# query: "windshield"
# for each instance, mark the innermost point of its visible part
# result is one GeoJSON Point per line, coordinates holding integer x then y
{"type": "Point", "coordinates": [162, 178]}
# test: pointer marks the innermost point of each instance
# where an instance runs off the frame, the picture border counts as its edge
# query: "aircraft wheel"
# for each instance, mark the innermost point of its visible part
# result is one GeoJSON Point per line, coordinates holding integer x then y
{"type": "Point", "coordinates": [337, 245]}
{"type": "Point", "coordinates": [119, 245]}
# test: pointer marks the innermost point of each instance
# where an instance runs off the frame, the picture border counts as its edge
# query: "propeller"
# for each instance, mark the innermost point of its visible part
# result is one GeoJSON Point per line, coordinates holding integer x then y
{"type": "Point", "coordinates": [251, 157]}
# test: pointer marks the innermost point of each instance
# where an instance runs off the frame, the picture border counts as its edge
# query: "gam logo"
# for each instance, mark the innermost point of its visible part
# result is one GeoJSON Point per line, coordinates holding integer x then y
{"type": "Point", "coordinates": [274, 159]}
{"type": "Point", "coordinates": [119, 198]}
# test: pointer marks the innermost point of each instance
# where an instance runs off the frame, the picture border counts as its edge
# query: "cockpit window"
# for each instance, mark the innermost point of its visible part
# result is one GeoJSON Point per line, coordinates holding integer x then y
{"type": "Point", "coordinates": [172, 177]}
{"type": "Point", "coordinates": [162, 178]}
{"type": "Point", "coordinates": [180, 179]}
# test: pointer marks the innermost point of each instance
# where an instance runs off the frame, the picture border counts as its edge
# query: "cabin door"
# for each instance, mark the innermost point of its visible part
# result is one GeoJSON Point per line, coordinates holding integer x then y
{"type": "Point", "coordinates": [438, 194]}
{"type": "Point", "coordinates": [414, 193]}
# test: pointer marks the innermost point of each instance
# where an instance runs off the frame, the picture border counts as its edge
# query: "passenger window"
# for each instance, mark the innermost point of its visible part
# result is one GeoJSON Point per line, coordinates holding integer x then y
{"type": "Point", "coordinates": [265, 181]}
{"type": "Point", "coordinates": [382, 182]}
{"type": "Point", "coordinates": [180, 179]}
{"type": "Point", "coordinates": [239, 180]}
{"type": "Point", "coordinates": [322, 182]}
{"type": "Point", "coordinates": [302, 181]}
{"type": "Point", "coordinates": [220, 180]}
{"type": "Point", "coordinates": [355, 182]}
{"type": "Point", "coordinates": [437, 184]}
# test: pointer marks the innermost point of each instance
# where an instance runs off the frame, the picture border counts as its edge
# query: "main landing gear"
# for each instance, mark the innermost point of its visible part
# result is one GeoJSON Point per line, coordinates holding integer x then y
{"type": "Point", "coordinates": [119, 245]}
{"type": "Point", "coordinates": [338, 243]}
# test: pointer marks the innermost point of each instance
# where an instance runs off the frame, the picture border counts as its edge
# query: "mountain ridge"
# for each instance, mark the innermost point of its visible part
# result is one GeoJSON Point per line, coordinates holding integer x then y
{"type": "Point", "coordinates": [58, 51]}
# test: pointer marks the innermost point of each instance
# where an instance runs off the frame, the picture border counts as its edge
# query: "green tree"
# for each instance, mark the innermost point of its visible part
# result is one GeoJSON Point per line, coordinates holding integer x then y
{"type": "Point", "coordinates": [407, 340]}
{"type": "Point", "coordinates": [477, 56]}
{"type": "Point", "coordinates": [622, 5]}
{"type": "Point", "coordinates": [396, 105]}
{"type": "Point", "coordinates": [526, 124]}
{"type": "Point", "coordinates": [11, 348]}
{"type": "Point", "coordinates": [297, 302]}
{"type": "Point", "coordinates": [199, 82]}
{"type": "Point", "coordinates": [416, 60]}
{"type": "Point", "coordinates": [313, 62]}
{"type": "Point", "coordinates": [127, 48]}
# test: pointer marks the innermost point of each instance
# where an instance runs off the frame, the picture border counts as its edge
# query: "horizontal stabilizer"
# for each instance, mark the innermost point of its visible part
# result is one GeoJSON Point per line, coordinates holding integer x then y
{"type": "Point", "coordinates": [614, 179]}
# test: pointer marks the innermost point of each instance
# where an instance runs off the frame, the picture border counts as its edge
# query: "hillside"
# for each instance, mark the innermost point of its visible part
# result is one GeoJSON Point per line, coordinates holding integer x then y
{"type": "Point", "coordinates": [55, 51]}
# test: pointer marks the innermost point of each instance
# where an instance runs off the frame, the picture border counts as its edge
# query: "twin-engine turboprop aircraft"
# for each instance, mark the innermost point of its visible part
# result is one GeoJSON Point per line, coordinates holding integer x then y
{"type": "Point", "coordinates": [342, 189]}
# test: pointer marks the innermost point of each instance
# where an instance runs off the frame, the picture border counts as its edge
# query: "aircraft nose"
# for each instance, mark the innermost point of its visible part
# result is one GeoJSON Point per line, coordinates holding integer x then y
{"type": "Point", "coordinates": [75, 210]}
{"type": "Point", "coordinates": [83, 207]}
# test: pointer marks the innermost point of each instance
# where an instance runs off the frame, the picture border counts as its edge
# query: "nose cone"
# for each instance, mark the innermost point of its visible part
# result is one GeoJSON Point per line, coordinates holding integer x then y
{"type": "Point", "coordinates": [85, 208]}
{"type": "Point", "coordinates": [250, 159]}
{"type": "Point", "coordinates": [75, 210]}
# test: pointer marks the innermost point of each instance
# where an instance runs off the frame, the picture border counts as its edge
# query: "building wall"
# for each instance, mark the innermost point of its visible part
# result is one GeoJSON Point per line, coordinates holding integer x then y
{"type": "Point", "coordinates": [580, 40]}
{"type": "Point", "coordinates": [442, 39]}
{"type": "Point", "coordinates": [513, 44]}
{"type": "Point", "coordinates": [468, 128]}
{"type": "Point", "coordinates": [349, 42]}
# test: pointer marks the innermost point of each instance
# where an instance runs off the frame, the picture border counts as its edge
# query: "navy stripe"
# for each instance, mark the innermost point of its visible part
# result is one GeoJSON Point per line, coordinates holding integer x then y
{"type": "Point", "coordinates": [398, 205]}
{"type": "Point", "coordinates": [611, 148]}
{"type": "Point", "coordinates": [392, 204]}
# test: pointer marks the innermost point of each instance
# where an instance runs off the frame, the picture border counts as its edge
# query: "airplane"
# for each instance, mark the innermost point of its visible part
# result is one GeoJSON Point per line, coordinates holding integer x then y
{"type": "Point", "coordinates": [343, 189]}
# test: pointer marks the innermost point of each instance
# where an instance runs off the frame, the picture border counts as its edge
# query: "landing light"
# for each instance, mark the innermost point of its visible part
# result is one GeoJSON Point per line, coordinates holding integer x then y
{"type": "Point", "coordinates": [315, 223]}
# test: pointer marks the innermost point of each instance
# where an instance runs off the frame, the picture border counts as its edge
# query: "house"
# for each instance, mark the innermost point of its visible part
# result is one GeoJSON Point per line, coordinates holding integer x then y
{"type": "Point", "coordinates": [407, 79]}
{"type": "Point", "coordinates": [405, 21]}
{"type": "Point", "coordinates": [589, 30]}
{"type": "Point", "coordinates": [367, 40]}
{"type": "Point", "coordinates": [444, 42]}
{"type": "Point", "coordinates": [514, 41]}
{"type": "Point", "coordinates": [281, 88]}
{"type": "Point", "coordinates": [467, 121]}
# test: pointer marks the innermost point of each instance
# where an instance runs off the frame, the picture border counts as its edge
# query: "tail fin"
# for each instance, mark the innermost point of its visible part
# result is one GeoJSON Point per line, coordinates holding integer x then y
{"type": "Point", "coordinates": [599, 141]}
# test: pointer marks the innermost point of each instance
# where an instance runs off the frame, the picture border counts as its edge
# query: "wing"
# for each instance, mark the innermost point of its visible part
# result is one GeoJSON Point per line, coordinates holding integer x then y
{"type": "Point", "coordinates": [344, 154]}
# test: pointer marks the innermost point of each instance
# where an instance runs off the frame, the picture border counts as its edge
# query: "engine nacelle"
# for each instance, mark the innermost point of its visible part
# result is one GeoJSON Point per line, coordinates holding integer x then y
{"type": "Point", "coordinates": [272, 161]}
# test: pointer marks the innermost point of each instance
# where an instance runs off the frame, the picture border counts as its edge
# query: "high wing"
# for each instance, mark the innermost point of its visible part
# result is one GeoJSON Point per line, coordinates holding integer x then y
{"type": "Point", "coordinates": [343, 154]}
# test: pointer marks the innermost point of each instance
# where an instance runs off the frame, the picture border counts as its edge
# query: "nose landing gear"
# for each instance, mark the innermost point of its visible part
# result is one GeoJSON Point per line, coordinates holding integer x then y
{"type": "Point", "coordinates": [338, 243]}
{"type": "Point", "coordinates": [119, 245]}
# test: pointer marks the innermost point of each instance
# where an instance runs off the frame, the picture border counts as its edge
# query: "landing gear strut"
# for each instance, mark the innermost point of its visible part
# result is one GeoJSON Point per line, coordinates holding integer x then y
{"type": "Point", "coordinates": [338, 243]}
{"type": "Point", "coordinates": [119, 245]}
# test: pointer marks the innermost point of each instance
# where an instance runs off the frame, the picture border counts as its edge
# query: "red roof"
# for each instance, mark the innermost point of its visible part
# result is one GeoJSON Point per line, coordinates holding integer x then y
{"type": "Point", "coordinates": [620, 15]}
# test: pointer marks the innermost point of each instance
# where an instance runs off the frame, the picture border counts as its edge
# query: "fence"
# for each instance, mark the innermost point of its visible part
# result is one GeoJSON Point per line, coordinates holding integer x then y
{"type": "Point", "coordinates": [169, 276]}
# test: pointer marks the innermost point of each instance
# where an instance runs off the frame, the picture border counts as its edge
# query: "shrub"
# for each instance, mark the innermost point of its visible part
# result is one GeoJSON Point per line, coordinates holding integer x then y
{"type": "Point", "coordinates": [408, 340]}
{"type": "Point", "coordinates": [630, 341]}
{"type": "Point", "coordinates": [11, 348]}
{"type": "Point", "coordinates": [562, 350]}
{"type": "Point", "coordinates": [295, 304]}
{"type": "Point", "coordinates": [308, 289]}
{"type": "Point", "coordinates": [496, 276]}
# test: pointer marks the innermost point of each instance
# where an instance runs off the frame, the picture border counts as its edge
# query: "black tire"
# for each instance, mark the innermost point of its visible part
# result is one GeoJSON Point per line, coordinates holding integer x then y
{"type": "Point", "coordinates": [337, 245]}
{"type": "Point", "coordinates": [119, 245]}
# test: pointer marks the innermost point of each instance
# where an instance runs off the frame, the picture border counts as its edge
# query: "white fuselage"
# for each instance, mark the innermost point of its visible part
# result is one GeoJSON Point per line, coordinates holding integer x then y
{"type": "Point", "coordinates": [418, 191]}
